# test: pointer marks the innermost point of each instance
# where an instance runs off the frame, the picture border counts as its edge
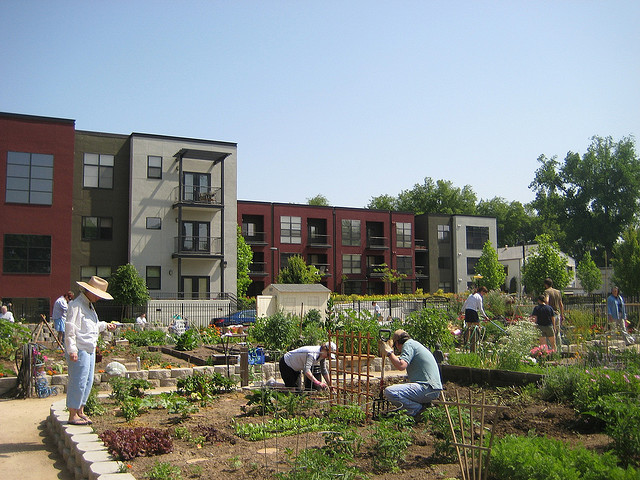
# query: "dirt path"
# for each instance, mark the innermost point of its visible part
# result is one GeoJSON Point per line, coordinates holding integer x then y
{"type": "Point", "coordinates": [25, 450]}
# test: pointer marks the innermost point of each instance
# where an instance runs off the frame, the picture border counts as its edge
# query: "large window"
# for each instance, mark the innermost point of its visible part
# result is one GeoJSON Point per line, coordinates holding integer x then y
{"type": "Point", "coordinates": [154, 223]}
{"type": "Point", "coordinates": [290, 229]}
{"type": "Point", "coordinates": [444, 233]}
{"type": "Point", "coordinates": [195, 237]}
{"type": "Point", "coordinates": [153, 277]}
{"type": "Point", "coordinates": [477, 237]}
{"type": "Point", "coordinates": [351, 233]}
{"type": "Point", "coordinates": [98, 171]}
{"type": "Point", "coordinates": [88, 271]}
{"type": "Point", "coordinates": [403, 235]}
{"type": "Point", "coordinates": [29, 178]}
{"type": "Point", "coordinates": [405, 264]}
{"type": "Point", "coordinates": [471, 265]}
{"type": "Point", "coordinates": [97, 228]}
{"type": "Point", "coordinates": [195, 288]}
{"type": "Point", "coordinates": [196, 187]}
{"type": "Point", "coordinates": [351, 263]}
{"type": "Point", "coordinates": [154, 166]}
{"type": "Point", "coordinates": [27, 253]}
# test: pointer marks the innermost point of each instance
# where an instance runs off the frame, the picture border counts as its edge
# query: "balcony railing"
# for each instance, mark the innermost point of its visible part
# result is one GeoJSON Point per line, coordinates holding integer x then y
{"type": "Point", "coordinates": [420, 244]}
{"type": "Point", "coordinates": [379, 243]}
{"type": "Point", "coordinates": [198, 195]}
{"type": "Point", "coordinates": [258, 268]}
{"type": "Point", "coordinates": [375, 271]}
{"type": "Point", "coordinates": [323, 268]}
{"type": "Point", "coordinates": [255, 238]}
{"type": "Point", "coordinates": [318, 240]}
{"type": "Point", "coordinates": [198, 246]}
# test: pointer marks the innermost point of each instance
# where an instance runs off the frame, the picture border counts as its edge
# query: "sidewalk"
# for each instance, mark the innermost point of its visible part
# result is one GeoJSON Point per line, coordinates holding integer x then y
{"type": "Point", "coordinates": [25, 451]}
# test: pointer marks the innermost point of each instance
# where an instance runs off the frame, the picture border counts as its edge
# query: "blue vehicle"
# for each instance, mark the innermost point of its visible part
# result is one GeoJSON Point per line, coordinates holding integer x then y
{"type": "Point", "coordinates": [242, 317]}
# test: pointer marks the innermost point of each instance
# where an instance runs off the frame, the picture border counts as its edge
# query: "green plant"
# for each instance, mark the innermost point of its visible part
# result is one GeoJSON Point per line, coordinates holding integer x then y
{"type": "Point", "coordinates": [347, 414]}
{"type": "Point", "coordinates": [93, 406]}
{"type": "Point", "coordinates": [279, 426]}
{"type": "Point", "coordinates": [392, 437]}
{"type": "Point", "coordinates": [438, 426]}
{"type": "Point", "coordinates": [164, 471]}
{"type": "Point", "coordinates": [559, 384]}
{"type": "Point", "coordinates": [203, 387]}
{"type": "Point", "coordinates": [122, 387]}
{"type": "Point", "coordinates": [342, 442]}
{"type": "Point", "coordinates": [318, 464]}
{"type": "Point", "coordinates": [430, 326]}
{"type": "Point", "coordinates": [145, 338]}
{"type": "Point", "coordinates": [276, 332]}
{"type": "Point", "coordinates": [12, 336]}
{"type": "Point", "coordinates": [234, 463]}
{"type": "Point", "coordinates": [516, 345]}
{"type": "Point", "coordinates": [189, 340]}
{"type": "Point", "coordinates": [543, 458]}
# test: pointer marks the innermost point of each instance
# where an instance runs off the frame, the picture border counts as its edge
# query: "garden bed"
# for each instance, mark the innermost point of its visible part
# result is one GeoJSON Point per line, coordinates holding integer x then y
{"type": "Point", "coordinates": [228, 456]}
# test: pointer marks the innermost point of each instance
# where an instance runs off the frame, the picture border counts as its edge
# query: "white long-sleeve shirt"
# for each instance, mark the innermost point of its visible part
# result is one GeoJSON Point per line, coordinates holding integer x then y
{"type": "Point", "coordinates": [82, 326]}
{"type": "Point", "coordinates": [303, 358]}
{"type": "Point", "coordinates": [474, 302]}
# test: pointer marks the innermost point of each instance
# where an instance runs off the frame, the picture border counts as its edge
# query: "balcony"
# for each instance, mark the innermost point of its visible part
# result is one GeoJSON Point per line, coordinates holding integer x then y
{"type": "Point", "coordinates": [377, 243]}
{"type": "Point", "coordinates": [255, 238]}
{"type": "Point", "coordinates": [323, 268]}
{"type": "Point", "coordinates": [258, 269]}
{"type": "Point", "coordinates": [197, 247]}
{"type": "Point", "coordinates": [420, 244]}
{"type": "Point", "coordinates": [376, 271]}
{"type": "Point", "coordinates": [318, 241]}
{"type": "Point", "coordinates": [194, 196]}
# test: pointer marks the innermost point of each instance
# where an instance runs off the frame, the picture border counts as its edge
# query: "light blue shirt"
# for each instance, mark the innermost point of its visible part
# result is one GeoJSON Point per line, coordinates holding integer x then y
{"type": "Point", "coordinates": [421, 365]}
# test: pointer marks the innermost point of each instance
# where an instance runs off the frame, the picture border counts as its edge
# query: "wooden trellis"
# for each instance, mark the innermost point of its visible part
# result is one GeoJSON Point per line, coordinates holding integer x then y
{"type": "Point", "coordinates": [473, 455]}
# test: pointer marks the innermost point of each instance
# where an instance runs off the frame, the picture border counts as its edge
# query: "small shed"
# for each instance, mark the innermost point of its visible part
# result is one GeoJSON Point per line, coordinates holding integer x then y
{"type": "Point", "coordinates": [293, 298]}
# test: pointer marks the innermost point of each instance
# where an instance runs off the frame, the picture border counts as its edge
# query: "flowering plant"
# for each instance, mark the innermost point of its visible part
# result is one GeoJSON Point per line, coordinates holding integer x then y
{"type": "Point", "coordinates": [38, 356]}
{"type": "Point", "coordinates": [542, 351]}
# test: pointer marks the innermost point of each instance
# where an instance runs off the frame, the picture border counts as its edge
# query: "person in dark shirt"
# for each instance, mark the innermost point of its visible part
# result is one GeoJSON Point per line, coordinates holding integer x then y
{"type": "Point", "coordinates": [544, 317]}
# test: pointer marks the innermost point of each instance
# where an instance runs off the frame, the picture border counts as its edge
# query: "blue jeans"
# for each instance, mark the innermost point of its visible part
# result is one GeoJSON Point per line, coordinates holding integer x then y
{"type": "Point", "coordinates": [80, 379]}
{"type": "Point", "coordinates": [410, 396]}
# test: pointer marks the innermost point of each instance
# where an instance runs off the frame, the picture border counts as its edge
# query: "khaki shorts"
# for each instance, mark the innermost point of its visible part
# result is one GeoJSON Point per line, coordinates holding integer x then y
{"type": "Point", "coordinates": [546, 330]}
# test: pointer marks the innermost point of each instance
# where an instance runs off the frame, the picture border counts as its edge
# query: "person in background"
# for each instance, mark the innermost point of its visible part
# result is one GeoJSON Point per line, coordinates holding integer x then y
{"type": "Point", "coordinates": [82, 331]}
{"type": "Point", "coordinates": [141, 321]}
{"type": "Point", "coordinates": [303, 359]}
{"type": "Point", "coordinates": [5, 314]}
{"type": "Point", "coordinates": [554, 300]}
{"type": "Point", "coordinates": [377, 313]}
{"type": "Point", "coordinates": [422, 371]}
{"type": "Point", "coordinates": [59, 313]}
{"type": "Point", "coordinates": [618, 315]}
{"type": "Point", "coordinates": [472, 309]}
{"type": "Point", "coordinates": [544, 317]}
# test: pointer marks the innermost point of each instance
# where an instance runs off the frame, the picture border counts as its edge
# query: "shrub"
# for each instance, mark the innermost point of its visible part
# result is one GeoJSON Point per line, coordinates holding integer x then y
{"type": "Point", "coordinates": [392, 438]}
{"type": "Point", "coordinates": [599, 382]}
{"type": "Point", "coordinates": [12, 336]}
{"type": "Point", "coordinates": [277, 332]}
{"type": "Point", "coordinates": [429, 326]}
{"type": "Point", "coordinates": [621, 416]}
{"type": "Point", "coordinates": [559, 384]}
{"type": "Point", "coordinates": [145, 338]}
{"type": "Point", "coordinates": [189, 340]}
{"type": "Point", "coordinates": [203, 387]}
{"type": "Point", "coordinates": [516, 345]}
{"type": "Point", "coordinates": [122, 387]}
{"type": "Point", "coordinates": [93, 405]}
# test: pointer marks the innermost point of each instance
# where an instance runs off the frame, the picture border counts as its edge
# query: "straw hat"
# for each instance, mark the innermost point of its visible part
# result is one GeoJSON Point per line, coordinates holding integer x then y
{"type": "Point", "coordinates": [97, 286]}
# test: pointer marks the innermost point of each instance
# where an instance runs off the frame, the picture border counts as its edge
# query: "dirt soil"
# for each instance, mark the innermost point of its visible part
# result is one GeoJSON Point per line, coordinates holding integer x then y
{"type": "Point", "coordinates": [230, 457]}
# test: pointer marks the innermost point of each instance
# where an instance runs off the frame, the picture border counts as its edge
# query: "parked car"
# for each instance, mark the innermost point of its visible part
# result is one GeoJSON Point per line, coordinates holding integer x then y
{"type": "Point", "coordinates": [241, 317]}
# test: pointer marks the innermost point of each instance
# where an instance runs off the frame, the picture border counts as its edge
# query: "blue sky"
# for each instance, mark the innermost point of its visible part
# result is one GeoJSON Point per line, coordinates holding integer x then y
{"type": "Point", "coordinates": [350, 99]}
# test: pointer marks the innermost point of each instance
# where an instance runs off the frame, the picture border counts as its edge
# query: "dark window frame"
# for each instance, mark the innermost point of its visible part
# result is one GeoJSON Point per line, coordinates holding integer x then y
{"type": "Point", "coordinates": [159, 220]}
{"type": "Point", "coordinates": [154, 171]}
{"type": "Point", "coordinates": [103, 231]}
{"type": "Point", "coordinates": [351, 232]}
{"type": "Point", "coordinates": [476, 237]}
{"type": "Point", "coordinates": [33, 178]}
{"type": "Point", "coordinates": [153, 282]}
{"type": "Point", "coordinates": [102, 167]}
{"type": "Point", "coordinates": [26, 254]}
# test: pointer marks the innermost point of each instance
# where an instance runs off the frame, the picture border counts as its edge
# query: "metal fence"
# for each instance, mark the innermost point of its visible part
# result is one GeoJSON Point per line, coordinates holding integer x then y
{"type": "Point", "coordinates": [396, 309]}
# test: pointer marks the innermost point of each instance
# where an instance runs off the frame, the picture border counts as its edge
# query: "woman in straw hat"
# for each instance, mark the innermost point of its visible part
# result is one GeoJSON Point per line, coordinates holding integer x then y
{"type": "Point", "coordinates": [82, 330]}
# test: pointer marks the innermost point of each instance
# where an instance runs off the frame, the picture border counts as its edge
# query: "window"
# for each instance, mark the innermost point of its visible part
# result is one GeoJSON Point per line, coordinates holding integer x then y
{"type": "Point", "coordinates": [154, 166]}
{"type": "Point", "coordinates": [196, 186]}
{"type": "Point", "coordinates": [351, 287]}
{"type": "Point", "coordinates": [153, 277]}
{"type": "Point", "coordinates": [444, 233]}
{"type": "Point", "coordinates": [27, 253]}
{"type": "Point", "coordinates": [404, 264]}
{"type": "Point", "coordinates": [290, 229]}
{"type": "Point", "coordinates": [471, 265]}
{"type": "Point", "coordinates": [403, 235]}
{"type": "Point", "coordinates": [405, 287]}
{"type": "Point", "coordinates": [445, 287]}
{"type": "Point", "coordinates": [97, 228]}
{"type": "Point", "coordinates": [195, 288]}
{"type": "Point", "coordinates": [351, 232]}
{"type": "Point", "coordinates": [98, 171]}
{"type": "Point", "coordinates": [154, 223]}
{"type": "Point", "coordinates": [444, 263]}
{"type": "Point", "coordinates": [29, 178]}
{"type": "Point", "coordinates": [89, 271]}
{"type": "Point", "coordinates": [351, 263]}
{"type": "Point", "coordinates": [477, 237]}
{"type": "Point", "coordinates": [195, 237]}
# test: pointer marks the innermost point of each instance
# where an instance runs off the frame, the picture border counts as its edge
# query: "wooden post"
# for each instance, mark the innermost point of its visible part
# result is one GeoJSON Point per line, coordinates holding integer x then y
{"type": "Point", "coordinates": [244, 366]}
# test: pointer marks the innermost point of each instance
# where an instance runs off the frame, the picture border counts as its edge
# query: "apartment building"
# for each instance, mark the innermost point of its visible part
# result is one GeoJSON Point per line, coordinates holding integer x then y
{"type": "Point", "coordinates": [350, 246]}
{"type": "Point", "coordinates": [36, 157]}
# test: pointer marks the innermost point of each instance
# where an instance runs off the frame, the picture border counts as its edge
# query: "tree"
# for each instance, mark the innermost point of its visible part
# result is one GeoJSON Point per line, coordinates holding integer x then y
{"type": "Point", "coordinates": [588, 273]}
{"type": "Point", "coordinates": [318, 201]}
{"type": "Point", "coordinates": [430, 197]}
{"type": "Point", "coordinates": [593, 197]}
{"type": "Point", "coordinates": [127, 287]}
{"type": "Point", "coordinates": [514, 221]}
{"type": "Point", "coordinates": [545, 261]}
{"type": "Point", "coordinates": [245, 256]}
{"type": "Point", "coordinates": [491, 270]}
{"type": "Point", "coordinates": [626, 262]}
{"type": "Point", "coordinates": [297, 271]}
{"type": "Point", "coordinates": [390, 276]}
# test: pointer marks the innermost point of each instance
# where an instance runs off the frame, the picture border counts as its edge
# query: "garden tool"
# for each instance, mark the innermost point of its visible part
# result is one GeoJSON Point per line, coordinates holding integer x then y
{"type": "Point", "coordinates": [380, 405]}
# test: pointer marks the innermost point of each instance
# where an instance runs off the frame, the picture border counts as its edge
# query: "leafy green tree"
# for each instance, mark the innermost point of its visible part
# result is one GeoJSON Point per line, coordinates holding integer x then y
{"type": "Point", "coordinates": [297, 271]}
{"type": "Point", "coordinates": [318, 201]}
{"type": "Point", "coordinates": [589, 200]}
{"type": "Point", "coordinates": [626, 262]}
{"type": "Point", "coordinates": [245, 256]}
{"type": "Point", "coordinates": [546, 261]}
{"type": "Point", "coordinates": [390, 276]}
{"type": "Point", "coordinates": [128, 288]}
{"type": "Point", "coordinates": [491, 270]}
{"type": "Point", "coordinates": [430, 197]}
{"type": "Point", "coordinates": [588, 273]}
{"type": "Point", "coordinates": [515, 222]}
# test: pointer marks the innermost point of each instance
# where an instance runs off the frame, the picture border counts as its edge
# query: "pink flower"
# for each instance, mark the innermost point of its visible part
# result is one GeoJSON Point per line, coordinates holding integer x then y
{"type": "Point", "coordinates": [593, 380]}
{"type": "Point", "coordinates": [607, 376]}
